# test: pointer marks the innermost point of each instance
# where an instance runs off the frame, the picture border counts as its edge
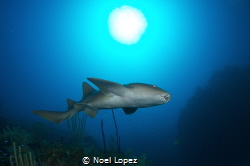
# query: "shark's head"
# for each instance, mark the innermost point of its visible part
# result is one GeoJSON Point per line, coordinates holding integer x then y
{"type": "Point", "coordinates": [150, 95]}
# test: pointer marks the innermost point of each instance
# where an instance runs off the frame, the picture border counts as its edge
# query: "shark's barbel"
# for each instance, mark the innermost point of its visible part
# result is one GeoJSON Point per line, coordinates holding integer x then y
{"type": "Point", "coordinates": [111, 95]}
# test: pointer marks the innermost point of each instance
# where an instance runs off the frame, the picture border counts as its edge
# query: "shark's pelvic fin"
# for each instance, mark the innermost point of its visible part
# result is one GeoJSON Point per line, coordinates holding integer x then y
{"type": "Point", "coordinates": [55, 116]}
{"type": "Point", "coordinates": [70, 103]}
{"type": "Point", "coordinates": [129, 110]}
{"type": "Point", "coordinates": [108, 88]}
{"type": "Point", "coordinates": [88, 110]}
{"type": "Point", "coordinates": [91, 112]}
{"type": "Point", "coordinates": [87, 89]}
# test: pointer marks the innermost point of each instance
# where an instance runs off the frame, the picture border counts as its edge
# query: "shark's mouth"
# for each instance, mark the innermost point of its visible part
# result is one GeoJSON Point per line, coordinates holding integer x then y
{"type": "Point", "coordinates": [167, 98]}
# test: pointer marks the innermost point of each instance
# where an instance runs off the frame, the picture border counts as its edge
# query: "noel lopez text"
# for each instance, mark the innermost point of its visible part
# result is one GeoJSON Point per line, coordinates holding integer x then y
{"type": "Point", "coordinates": [98, 160]}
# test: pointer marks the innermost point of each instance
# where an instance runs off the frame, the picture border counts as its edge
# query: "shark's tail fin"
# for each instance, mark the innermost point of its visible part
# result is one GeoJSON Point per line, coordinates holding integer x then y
{"type": "Point", "coordinates": [52, 116]}
{"type": "Point", "coordinates": [55, 116]}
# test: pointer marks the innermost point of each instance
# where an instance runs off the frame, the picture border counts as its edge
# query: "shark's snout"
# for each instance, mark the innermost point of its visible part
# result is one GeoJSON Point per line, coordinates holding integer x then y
{"type": "Point", "coordinates": [167, 97]}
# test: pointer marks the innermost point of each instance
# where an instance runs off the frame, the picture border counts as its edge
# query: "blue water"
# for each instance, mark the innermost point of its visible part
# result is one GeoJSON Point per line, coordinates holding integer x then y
{"type": "Point", "coordinates": [48, 48]}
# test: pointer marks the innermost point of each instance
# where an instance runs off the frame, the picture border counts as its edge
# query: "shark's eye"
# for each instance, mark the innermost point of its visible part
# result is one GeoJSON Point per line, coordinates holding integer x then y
{"type": "Point", "coordinates": [154, 86]}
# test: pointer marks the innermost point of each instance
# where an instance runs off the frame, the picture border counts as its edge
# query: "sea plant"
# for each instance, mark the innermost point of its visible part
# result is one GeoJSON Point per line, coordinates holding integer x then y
{"type": "Point", "coordinates": [76, 126]}
{"type": "Point", "coordinates": [16, 134]}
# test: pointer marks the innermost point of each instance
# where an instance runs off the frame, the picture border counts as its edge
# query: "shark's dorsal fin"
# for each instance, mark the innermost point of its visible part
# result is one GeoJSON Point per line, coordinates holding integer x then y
{"type": "Point", "coordinates": [70, 103]}
{"type": "Point", "coordinates": [108, 88]}
{"type": "Point", "coordinates": [129, 110]}
{"type": "Point", "coordinates": [86, 89]}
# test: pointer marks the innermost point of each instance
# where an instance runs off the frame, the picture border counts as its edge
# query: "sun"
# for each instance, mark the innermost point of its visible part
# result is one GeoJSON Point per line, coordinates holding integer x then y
{"type": "Point", "coordinates": [127, 24]}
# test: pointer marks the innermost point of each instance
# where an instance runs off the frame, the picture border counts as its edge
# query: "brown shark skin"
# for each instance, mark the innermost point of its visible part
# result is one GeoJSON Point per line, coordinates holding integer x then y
{"type": "Point", "coordinates": [111, 95]}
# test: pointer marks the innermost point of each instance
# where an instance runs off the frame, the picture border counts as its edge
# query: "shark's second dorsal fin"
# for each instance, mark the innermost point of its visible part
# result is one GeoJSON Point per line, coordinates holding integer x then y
{"type": "Point", "coordinates": [70, 103]}
{"type": "Point", "coordinates": [86, 89]}
{"type": "Point", "coordinates": [129, 110]}
{"type": "Point", "coordinates": [108, 88]}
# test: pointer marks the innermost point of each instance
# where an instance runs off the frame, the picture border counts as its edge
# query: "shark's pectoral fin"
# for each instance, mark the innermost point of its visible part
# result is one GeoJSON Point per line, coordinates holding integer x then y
{"type": "Point", "coordinates": [109, 88]}
{"type": "Point", "coordinates": [129, 110]}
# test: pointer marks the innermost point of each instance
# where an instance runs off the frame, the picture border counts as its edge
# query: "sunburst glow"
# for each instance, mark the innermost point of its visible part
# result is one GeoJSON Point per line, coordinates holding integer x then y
{"type": "Point", "coordinates": [127, 24]}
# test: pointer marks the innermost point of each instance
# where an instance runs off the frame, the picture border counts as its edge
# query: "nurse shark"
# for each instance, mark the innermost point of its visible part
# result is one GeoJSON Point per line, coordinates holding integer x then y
{"type": "Point", "coordinates": [110, 95]}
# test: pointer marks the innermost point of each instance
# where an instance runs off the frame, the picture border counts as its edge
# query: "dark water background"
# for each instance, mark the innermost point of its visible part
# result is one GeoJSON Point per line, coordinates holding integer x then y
{"type": "Point", "coordinates": [48, 48]}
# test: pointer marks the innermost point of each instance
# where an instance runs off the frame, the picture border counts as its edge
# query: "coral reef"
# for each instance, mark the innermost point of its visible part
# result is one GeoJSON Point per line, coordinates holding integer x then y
{"type": "Point", "coordinates": [39, 131]}
{"type": "Point", "coordinates": [21, 158]}
{"type": "Point", "coordinates": [10, 138]}
{"type": "Point", "coordinates": [21, 148]}
{"type": "Point", "coordinates": [17, 135]}
{"type": "Point", "coordinates": [63, 155]}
